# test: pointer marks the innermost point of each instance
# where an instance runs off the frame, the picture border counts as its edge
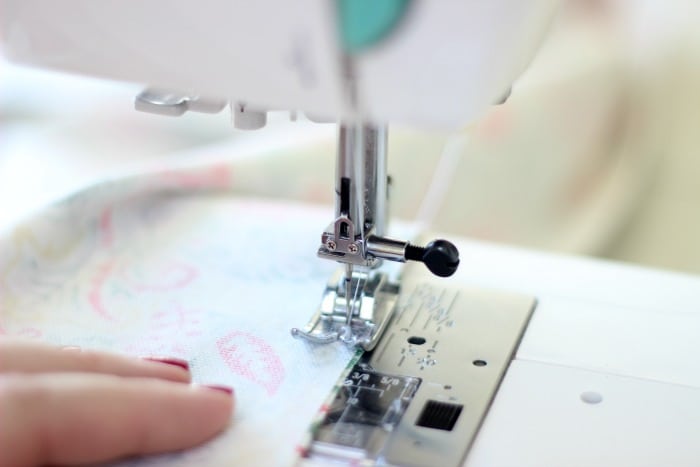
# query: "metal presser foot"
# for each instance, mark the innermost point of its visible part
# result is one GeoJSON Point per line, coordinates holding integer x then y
{"type": "Point", "coordinates": [359, 300]}
{"type": "Point", "coordinates": [372, 299]}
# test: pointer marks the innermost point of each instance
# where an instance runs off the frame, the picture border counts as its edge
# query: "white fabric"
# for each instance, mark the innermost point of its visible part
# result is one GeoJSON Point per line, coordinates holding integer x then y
{"type": "Point", "coordinates": [140, 267]}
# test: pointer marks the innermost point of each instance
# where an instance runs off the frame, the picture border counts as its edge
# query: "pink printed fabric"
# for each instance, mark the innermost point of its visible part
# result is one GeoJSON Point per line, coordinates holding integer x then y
{"type": "Point", "coordinates": [166, 264]}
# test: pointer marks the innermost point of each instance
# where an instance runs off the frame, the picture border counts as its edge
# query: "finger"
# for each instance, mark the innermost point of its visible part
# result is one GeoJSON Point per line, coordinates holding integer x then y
{"type": "Point", "coordinates": [80, 418]}
{"type": "Point", "coordinates": [32, 357]}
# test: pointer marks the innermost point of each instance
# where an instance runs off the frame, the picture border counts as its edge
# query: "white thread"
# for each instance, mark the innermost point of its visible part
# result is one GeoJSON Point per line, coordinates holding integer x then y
{"type": "Point", "coordinates": [442, 179]}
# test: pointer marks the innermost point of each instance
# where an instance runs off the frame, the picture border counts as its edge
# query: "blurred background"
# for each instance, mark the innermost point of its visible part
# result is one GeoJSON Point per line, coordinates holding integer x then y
{"type": "Point", "coordinates": [595, 152]}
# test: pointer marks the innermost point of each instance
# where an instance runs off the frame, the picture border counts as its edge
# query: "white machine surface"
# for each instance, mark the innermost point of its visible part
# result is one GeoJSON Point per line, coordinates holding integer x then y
{"type": "Point", "coordinates": [606, 372]}
{"type": "Point", "coordinates": [621, 334]}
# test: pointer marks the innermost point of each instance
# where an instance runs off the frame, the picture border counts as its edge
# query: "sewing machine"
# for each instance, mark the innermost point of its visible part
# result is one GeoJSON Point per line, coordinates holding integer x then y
{"type": "Point", "coordinates": [432, 355]}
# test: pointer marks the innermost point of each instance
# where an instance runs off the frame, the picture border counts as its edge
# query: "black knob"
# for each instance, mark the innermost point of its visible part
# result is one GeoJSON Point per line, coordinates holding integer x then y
{"type": "Point", "coordinates": [440, 256]}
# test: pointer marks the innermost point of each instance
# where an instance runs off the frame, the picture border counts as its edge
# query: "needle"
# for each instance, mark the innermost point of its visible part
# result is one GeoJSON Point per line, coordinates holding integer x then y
{"type": "Point", "coordinates": [348, 300]}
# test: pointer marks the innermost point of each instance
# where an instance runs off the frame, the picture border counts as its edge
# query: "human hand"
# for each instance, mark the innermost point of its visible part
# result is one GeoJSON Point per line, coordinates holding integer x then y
{"type": "Point", "coordinates": [67, 406]}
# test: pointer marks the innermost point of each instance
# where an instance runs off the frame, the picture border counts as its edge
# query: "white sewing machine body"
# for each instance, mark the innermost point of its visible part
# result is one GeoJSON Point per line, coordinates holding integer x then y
{"type": "Point", "coordinates": [605, 373]}
{"type": "Point", "coordinates": [274, 55]}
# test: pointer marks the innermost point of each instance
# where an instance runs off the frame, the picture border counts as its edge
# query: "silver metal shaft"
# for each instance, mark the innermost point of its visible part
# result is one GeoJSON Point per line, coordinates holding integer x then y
{"type": "Point", "coordinates": [362, 161]}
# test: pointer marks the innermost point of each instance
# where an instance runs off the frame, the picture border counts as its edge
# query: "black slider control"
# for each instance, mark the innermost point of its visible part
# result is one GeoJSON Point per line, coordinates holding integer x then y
{"type": "Point", "coordinates": [440, 256]}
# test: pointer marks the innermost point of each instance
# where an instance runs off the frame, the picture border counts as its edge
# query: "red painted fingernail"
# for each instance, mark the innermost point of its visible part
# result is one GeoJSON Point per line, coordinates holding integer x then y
{"type": "Point", "coordinates": [228, 390]}
{"type": "Point", "coordinates": [170, 361]}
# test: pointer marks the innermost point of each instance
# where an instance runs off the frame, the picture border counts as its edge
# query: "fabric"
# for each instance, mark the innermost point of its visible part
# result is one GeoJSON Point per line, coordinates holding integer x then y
{"type": "Point", "coordinates": [154, 265]}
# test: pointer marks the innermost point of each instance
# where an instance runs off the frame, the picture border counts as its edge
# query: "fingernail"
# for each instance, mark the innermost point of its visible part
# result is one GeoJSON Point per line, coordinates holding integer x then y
{"type": "Point", "coordinates": [228, 390]}
{"type": "Point", "coordinates": [71, 348]}
{"type": "Point", "coordinates": [170, 361]}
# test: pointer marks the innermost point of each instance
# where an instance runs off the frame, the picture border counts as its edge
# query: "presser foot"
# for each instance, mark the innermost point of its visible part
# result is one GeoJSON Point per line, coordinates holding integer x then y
{"type": "Point", "coordinates": [372, 299]}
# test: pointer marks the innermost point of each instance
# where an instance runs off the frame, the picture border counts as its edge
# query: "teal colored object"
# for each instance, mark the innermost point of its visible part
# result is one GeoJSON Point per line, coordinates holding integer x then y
{"type": "Point", "coordinates": [365, 22]}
